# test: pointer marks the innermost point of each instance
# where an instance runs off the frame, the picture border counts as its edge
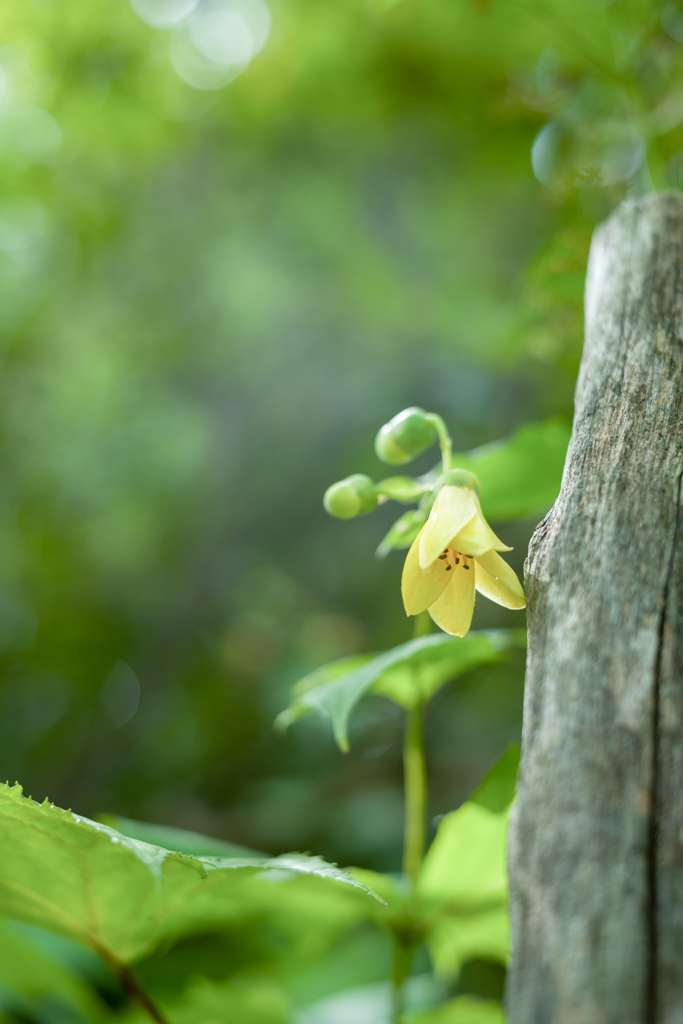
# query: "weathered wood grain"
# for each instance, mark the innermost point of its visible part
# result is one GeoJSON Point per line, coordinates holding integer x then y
{"type": "Point", "coordinates": [595, 849]}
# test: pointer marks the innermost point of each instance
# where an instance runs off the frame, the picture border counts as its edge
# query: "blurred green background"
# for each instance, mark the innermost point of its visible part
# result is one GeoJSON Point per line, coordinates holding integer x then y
{"type": "Point", "coordinates": [235, 239]}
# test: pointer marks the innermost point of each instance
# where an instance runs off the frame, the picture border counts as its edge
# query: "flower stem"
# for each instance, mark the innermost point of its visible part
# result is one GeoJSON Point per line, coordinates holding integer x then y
{"type": "Point", "coordinates": [445, 442]}
{"type": "Point", "coordinates": [415, 781]}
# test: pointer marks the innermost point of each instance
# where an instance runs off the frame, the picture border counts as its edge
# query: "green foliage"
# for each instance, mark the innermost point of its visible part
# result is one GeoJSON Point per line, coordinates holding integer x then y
{"type": "Point", "coordinates": [212, 298]}
{"type": "Point", "coordinates": [466, 909]}
{"type": "Point", "coordinates": [35, 986]}
{"type": "Point", "coordinates": [497, 788]}
{"type": "Point", "coordinates": [409, 674]}
{"type": "Point", "coordinates": [463, 1010]}
{"type": "Point", "coordinates": [121, 896]}
{"type": "Point", "coordinates": [250, 1001]}
{"type": "Point", "coordinates": [133, 901]}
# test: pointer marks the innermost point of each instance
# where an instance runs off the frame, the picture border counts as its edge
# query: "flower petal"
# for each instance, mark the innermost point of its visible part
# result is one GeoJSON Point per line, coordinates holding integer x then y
{"type": "Point", "coordinates": [496, 580]}
{"type": "Point", "coordinates": [419, 588]}
{"type": "Point", "coordinates": [453, 610]}
{"type": "Point", "coordinates": [453, 508]}
{"type": "Point", "coordinates": [476, 537]}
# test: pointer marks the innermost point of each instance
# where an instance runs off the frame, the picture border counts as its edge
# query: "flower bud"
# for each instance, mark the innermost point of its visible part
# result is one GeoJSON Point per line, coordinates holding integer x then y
{"type": "Point", "coordinates": [405, 437]}
{"type": "Point", "coordinates": [461, 478]}
{"type": "Point", "coordinates": [354, 496]}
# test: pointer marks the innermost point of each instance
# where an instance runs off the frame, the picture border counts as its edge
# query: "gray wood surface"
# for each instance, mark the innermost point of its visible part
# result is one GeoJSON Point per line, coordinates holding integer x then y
{"type": "Point", "coordinates": [595, 850]}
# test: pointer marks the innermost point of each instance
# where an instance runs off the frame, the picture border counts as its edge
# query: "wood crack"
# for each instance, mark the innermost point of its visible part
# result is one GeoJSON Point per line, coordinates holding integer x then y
{"type": "Point", "coordinates": [652, 928]}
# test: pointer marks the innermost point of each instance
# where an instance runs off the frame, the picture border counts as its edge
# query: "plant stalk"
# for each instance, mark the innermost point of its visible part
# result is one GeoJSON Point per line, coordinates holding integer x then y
{"type": "Point", "coordinates": [415, 782]}
{"type": "Point", "coordinates": [403, 959]}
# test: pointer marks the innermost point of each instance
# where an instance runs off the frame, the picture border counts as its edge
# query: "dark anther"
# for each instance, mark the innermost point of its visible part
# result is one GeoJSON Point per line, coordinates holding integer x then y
{"type": "Point", "coordinates": [441, 557]}
{"type": "Point", "coordinates": [448, 568]}
{"type": "Point", "coordinates": [465, 566]}
{"type": "Point", "coordinates": [457, 561]}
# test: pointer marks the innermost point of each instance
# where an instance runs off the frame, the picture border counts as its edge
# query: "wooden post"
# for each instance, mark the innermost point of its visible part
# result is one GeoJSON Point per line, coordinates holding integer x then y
{"type": "Point", "coordinates": [596, 839]}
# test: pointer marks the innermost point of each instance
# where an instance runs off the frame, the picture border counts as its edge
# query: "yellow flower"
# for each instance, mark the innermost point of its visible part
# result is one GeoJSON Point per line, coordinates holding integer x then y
{"type": "Point", "coordinates": [455, 552]}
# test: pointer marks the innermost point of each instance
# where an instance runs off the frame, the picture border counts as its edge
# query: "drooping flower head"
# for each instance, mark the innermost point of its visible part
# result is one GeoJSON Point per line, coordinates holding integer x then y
{"type": "Point", "coordinates": [456, 553]}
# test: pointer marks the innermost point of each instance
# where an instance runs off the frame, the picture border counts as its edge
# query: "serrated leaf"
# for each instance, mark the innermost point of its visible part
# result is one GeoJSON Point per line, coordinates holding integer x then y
{"type": "Point", "coordinates": [325, 674]}
{"type": "Point", "coordinates": [408, 674]}
{"type": "Point", "coordinates": [522, 473]}
{"type": "Point", "coordinates": [462, 1010]}
{"type": "Point", "coordinates": [402, 488]}
{"type": "Point", "coordinates": [462, 885]}
{"type": "Point", "coordinates": [415, 679]}
{"type": "Point", "coordinates": [403, 532]}
{"type": "Point", "coordinates": [119, 895]}
{"type": "Point", "coordinates": [177, 839]}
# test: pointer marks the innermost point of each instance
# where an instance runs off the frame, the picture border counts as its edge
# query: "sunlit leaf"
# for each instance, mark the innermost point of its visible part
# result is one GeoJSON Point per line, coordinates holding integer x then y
{"type": "Point", "coordinates": [249, 1000]}
{"type": "Point", "coordinates": [408, 674]}
{"type": "Point", "coordinates": [463, 1010]}
{"type": "Point", "coordinates": [119, 895]}
{"type": "Point", "coordinates": [462, 886]}
{"type": "Point", "coordinates": [522, 473]}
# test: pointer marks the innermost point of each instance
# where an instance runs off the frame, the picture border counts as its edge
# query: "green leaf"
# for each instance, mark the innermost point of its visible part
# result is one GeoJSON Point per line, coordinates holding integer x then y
{"type": "Point", "coordinates": [522, 473]}
{"type": "Point", "coordinates": [462, 889]}
{"type": "Point", "coordinates": [319, 677]}
{"type": "Point", "coordinates": [29, 977]}
{"type": "Point", "coordinates": [242, 1001]}
{"type": "Point", "coordinates": [408, 674]}
{"type": "Point", "coordinates": [462, 885]}
{"type": "Point", "coordinates": [497, 789]}
{"type": "Point", "coordinates": [463, 1010]}
{"type": "Point", "coordinates": [402, 488]}
{"type": "Point", "coordinates": [122, 896]}
{"type": "Point", "coordinates": [403, 532]}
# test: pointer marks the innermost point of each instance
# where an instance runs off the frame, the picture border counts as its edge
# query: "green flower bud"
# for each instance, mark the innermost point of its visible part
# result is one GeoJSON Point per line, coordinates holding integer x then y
{"type": "Point", "coordinates": [354, 496]}
{"type": "Point", "coordinates": [405, 437]}
{"type": "Point", "coordinates": [461, 478]}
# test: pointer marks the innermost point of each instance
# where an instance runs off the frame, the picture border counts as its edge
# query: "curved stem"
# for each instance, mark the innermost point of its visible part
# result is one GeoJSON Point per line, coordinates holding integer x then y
{"type": "Point", "coordinates": [445, 442]}
{"type": "Point", "coordinates": [415, 781]}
